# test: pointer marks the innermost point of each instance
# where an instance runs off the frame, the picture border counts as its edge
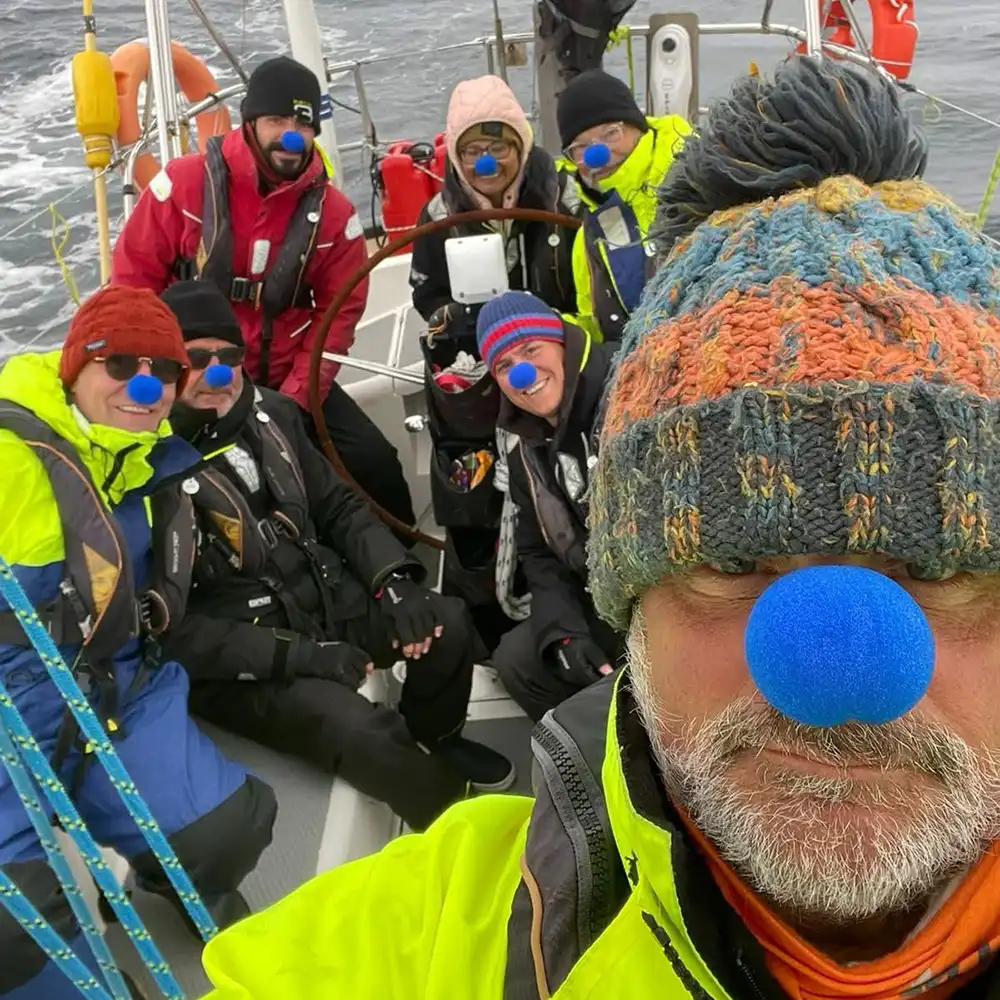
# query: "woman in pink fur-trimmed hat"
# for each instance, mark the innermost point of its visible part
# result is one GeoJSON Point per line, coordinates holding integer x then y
{"type": "Point", "coordinates": [493, 163]}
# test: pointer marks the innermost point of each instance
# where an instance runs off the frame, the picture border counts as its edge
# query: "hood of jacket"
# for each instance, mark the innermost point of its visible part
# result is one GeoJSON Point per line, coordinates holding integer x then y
{"type": "Point", "coordinates": [486, 99]}
{"type": "Point", "coordinates": [118, 461]}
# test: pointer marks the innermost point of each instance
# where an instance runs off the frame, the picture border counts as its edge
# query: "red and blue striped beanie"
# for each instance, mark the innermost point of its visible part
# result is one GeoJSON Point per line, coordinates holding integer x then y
{"type": "Point", "coordinates": [511, 319]}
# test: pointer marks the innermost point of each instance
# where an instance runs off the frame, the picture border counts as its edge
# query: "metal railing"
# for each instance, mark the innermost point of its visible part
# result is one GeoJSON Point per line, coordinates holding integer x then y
{"type": "Point", "coordinates": [489, 46]}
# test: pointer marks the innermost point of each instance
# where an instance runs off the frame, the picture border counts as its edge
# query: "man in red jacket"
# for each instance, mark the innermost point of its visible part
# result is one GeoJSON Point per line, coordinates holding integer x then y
{"type": "Point", "coordinates": [258, 216]}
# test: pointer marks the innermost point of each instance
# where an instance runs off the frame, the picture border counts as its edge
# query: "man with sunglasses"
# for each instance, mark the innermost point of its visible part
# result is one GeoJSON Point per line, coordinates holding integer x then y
{"type": "Point", "coordinates": [282, 630]}
{"type": "Point", "coordinates": [258, 216]}
{"type": "Point", "coordinates": [620, 157]}
{"type": "Point", "coordinates": [86, 454]}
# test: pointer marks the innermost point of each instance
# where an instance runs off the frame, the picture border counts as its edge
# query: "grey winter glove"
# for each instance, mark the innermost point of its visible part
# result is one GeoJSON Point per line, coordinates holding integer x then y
{"type": "Point", "coordinates": [450, 319]}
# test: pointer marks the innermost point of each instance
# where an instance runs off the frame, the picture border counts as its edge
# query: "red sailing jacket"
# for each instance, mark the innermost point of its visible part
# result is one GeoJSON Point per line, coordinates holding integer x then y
{"type": "Point", "coordinates": [166, 227]}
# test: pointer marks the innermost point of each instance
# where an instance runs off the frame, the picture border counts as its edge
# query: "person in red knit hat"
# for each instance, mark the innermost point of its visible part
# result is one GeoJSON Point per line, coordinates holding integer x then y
{"type": "Point", "coordinates": [87, 457]}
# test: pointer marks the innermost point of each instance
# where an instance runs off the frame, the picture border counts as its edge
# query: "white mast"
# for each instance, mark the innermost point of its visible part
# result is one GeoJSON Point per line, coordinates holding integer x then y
{"type": "Point", "coordinates": [307, 48]}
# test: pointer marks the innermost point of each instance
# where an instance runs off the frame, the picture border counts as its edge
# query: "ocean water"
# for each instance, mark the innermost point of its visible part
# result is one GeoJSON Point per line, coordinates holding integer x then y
{"type": "Point", "coordinates": [41, 162]}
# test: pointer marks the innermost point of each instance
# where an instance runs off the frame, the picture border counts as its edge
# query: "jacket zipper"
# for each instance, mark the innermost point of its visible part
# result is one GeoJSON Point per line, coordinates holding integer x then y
{"type": "Point", "coordinates": [534, 499]}
{"type": "Point", "coordinates": [748, 975]}
{"type": "Point", "coordinates": [559, 763]}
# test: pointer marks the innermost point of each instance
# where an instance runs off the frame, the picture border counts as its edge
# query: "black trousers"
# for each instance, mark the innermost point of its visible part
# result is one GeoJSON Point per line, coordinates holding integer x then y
{"type": "Point", "coordinates": [535, 681]}
{"type": "Point", "coordinates": [372, 747]}
{"type": "Point", "coordinates": [367, 453]}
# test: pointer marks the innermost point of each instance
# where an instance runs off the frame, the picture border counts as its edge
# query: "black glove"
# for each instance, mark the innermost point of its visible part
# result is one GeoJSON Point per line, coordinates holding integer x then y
{"type": "Point", "coordinates": [447, 320]}
{"type": "Point", "coordinates": [410, 610]}
{"type": "Point", "coordinates": [336, 661]}
{"type": "Point", "coordinates": [578, 659]}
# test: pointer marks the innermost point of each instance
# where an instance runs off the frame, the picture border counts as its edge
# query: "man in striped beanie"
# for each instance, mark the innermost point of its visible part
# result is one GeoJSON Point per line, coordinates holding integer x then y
{"type": "Point", "coordinates": [552, 378]}
{"type": "Point", "coordinates": [793, 790]}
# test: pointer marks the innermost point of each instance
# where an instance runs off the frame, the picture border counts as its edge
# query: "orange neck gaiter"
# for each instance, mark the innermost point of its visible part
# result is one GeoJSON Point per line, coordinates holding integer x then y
{"type": "Point", "coordinates": [959, 939]}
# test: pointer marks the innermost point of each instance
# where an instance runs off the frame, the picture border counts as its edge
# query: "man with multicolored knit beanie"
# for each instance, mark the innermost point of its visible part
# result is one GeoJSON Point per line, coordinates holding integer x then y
{"type": "Point", "coordinates": [793, 790]}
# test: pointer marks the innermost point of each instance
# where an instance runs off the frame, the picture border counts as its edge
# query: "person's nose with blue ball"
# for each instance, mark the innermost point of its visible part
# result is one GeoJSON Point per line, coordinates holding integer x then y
{"type": "Point", "coordinates": [523, 343]}
{"type": "Point", "coordinates": [215, 347]}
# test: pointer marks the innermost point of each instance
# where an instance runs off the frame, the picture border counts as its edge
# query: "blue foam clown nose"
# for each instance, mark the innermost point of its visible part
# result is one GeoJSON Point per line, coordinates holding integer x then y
{"type": "Point", "coordinates": [486, 165]}
{"type": "Point", "coordinates": [597, 156]}
{"type": "Point", "coordinates": [218, 376]}
{"type": "Point", "coordinates": [293, 142]}
{"type": "Point", "coordinates": [522, 375]}
{"type": "Point", "coordinates": [144, 390]}
{"type": "Point", "coordinates": [833, 644]}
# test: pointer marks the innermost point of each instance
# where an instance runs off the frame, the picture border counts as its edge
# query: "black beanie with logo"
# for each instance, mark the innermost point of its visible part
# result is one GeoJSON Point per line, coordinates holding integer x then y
{"type": "Point", "coordinates": [595, 98]}
{"type": "Point", "coordinates": [203, 311]}
{"type": "Point", "coordinates": [285, 88]}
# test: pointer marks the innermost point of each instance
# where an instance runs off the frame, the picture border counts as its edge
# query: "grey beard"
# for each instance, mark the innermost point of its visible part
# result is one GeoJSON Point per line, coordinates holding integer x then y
{"type": "Point", "coordinates": [888, 854]}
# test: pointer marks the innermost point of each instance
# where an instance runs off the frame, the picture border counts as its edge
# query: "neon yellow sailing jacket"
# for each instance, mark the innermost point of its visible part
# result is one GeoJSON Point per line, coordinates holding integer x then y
{"type": "Point", "coordinates": [636, 181]}
{"type": "Point", "coordinates": [504, 898]}
{"type": "Point", "coordinates": [123, 466]}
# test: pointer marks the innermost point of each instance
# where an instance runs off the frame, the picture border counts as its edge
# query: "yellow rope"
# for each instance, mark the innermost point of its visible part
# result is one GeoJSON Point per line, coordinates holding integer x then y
{"type": "Point", "coordinates": [931, 111]}
{"type": "Point", "coordinates": [57, 251]}
{"type": "Point", "coordinates": [991, 189]}
{"type": "Point", "coordinates": [623, 34]}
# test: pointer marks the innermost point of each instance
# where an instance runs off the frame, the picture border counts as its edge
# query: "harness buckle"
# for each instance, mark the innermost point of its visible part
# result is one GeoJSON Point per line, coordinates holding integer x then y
{"type": "Point", "coordinates": [245, 290]}
{"type": "Point", "coordinates": [268, 532]}
{"type": "Point", "coordinates": [154, 615]}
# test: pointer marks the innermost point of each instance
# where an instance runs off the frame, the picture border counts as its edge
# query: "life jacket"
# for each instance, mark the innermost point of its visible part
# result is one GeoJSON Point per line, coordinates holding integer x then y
{"type": "Point", "coordinates": [248, 543]}
{"type": "Point", "coordinates": [612, 236]}
{"type": "Point", "coordinates": [98, 607]}
{"type": "Point", "coordinates": [574, 882]}
{"type": "Point", "coordinates": [283, 286]}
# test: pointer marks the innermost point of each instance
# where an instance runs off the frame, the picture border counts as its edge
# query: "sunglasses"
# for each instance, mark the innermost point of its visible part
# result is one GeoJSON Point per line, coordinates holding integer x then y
{"type": "Point", "coordinates": [201, 357]}
{"type": "Point", "coordinates": [121, 367]}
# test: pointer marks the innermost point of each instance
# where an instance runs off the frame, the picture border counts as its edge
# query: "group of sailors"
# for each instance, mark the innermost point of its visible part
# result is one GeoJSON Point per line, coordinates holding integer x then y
{"type": "Point", "coordinates": [785, 521]}
{"type": "Point", "coordinates": [193, 553]}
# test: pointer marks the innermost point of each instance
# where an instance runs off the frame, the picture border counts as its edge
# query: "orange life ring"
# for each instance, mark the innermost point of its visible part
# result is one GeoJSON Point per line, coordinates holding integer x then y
{"type": "Point", "coordinates": [894, 32]}
{"type": "Point", "coordinates": [131, 66]}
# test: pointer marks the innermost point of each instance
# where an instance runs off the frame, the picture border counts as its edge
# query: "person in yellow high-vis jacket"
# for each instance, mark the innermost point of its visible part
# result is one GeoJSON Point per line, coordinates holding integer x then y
{"type": "Point", "coordinates": [620, 158]}
{"type": "Point", "coordinates": [794, 506]}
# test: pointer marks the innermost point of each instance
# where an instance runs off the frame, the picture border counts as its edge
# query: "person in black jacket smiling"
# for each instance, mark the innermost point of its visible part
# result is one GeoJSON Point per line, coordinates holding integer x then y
{"type": "Point", "coordinates": [485, 119]}
{"type": "Point", "coordinates": [552, 378]}
{"type": "Point", "coordinates": [287, 617]}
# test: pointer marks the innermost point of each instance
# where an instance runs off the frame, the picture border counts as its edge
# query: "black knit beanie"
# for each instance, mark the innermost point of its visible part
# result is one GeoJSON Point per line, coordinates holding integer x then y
{"type": "Point", "coordinates": [595, 98]}
{"type": "Point", "coordinates": [203, 311]}
{"type": "Point", "coordinates": [283, 87]}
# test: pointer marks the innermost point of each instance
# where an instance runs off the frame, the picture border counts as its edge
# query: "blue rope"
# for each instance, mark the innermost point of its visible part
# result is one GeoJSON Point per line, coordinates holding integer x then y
{"type": "Point", "coordinates": [94, 732]}
{"type": "Point", "coordinates": [77, 830]}
{"type": "Point", "coordinates": [57, 861]}
{"type": "Point", "coordinates": [49, 941]}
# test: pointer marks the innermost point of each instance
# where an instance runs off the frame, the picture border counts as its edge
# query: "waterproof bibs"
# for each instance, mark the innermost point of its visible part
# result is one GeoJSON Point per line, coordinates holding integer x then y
{"type": "Point", "coordinates": [619, 262]}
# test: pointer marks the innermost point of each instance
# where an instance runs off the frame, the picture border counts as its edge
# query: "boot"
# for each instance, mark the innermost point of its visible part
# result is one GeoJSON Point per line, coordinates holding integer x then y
{"type": "Point", "coordinates": [487, 770]}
